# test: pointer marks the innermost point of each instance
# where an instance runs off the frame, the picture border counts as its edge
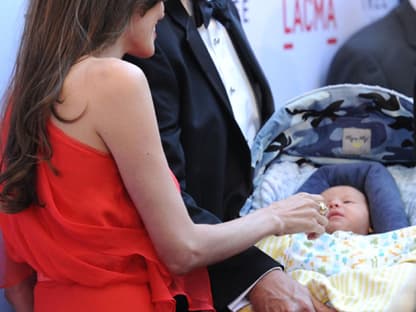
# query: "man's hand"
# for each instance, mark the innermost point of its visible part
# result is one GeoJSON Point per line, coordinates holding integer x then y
{"type": "Point", "coordinates": [278, 292]}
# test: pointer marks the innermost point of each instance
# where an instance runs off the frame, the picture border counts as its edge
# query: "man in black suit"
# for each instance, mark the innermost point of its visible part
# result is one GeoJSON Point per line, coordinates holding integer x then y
{"type": "Point", "coordinates": [211, 97]}
{"type": "Point", "coordinates": [382, 53]}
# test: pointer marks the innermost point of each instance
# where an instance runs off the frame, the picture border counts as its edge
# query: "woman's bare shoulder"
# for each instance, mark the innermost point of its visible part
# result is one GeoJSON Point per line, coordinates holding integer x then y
{"type": "Point", "coordinates": [101, 80]}
{"type": "Point", "coordinates": [112, 73]}
{"type": "Point", "coordinates": [105, 93]}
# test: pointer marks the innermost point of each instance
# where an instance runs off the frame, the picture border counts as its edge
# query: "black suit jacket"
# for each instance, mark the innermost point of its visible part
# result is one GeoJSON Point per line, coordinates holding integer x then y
{"type": "Point", "coordinates": [203, 143]}
{"type": "Point", "coordinates": [382, 53]}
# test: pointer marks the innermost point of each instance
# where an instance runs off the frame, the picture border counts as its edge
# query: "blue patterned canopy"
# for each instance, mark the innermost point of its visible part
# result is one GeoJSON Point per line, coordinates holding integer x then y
{"type": "Point", "coordinates": [338, 124]}
{"type": "Point", "coordinates": [330, 125]}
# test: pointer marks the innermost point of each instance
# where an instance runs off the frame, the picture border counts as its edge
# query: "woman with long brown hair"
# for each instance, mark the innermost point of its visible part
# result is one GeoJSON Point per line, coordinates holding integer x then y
{"type": "Point", "coordinates": [88, 203]}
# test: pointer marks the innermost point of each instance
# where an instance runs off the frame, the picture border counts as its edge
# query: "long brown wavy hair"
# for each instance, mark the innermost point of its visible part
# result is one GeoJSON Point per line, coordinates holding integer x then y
{"type": "Point", "coordinates": [57, 33]}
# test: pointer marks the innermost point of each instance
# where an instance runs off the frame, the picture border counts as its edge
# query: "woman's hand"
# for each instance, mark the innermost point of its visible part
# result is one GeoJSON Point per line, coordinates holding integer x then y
{"type": "Point", "coordinates": [299, 213]}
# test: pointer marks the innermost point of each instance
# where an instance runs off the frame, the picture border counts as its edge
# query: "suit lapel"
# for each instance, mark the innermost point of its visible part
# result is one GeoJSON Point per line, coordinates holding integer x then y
{"type": "Point", "coordinates": [197, 46]}
{"type": "Point", "coordinates": [251, 66]}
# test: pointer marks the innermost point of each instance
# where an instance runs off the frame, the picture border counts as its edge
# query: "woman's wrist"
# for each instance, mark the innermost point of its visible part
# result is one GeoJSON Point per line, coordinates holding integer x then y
{"type": "Point", "coordinates": [272, 222]}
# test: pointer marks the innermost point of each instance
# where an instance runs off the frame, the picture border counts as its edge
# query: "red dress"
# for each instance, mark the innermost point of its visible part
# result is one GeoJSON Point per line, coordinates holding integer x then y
{"type": "Point", "coordinates": [88, 243]}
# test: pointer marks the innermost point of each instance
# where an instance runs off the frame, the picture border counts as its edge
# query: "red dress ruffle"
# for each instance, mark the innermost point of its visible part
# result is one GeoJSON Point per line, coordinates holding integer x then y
{"type": "Point", "coordinates": [88, 243]}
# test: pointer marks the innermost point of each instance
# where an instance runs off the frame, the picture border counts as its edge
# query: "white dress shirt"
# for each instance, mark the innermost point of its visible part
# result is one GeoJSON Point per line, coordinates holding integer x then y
{"type": "Point", "coordinates": [233, 76]}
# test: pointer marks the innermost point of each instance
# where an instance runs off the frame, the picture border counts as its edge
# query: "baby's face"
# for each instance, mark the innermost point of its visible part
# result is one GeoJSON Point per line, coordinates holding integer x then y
{"type": "Point", "coordinates": [348, 210]}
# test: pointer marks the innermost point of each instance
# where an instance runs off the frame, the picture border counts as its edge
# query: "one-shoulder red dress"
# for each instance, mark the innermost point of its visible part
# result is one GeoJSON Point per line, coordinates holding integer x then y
{"type": "Point", "coordinates": [87, 241]}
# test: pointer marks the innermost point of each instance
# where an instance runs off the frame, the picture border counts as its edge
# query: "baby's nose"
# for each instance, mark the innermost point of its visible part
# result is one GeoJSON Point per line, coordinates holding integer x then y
{"type": "Point", "coordinates": [333, 204]}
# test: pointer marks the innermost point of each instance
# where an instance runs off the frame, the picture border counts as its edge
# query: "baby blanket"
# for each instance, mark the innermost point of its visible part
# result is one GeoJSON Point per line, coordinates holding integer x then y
{"type": "Point", "coordinates": [351, 272]}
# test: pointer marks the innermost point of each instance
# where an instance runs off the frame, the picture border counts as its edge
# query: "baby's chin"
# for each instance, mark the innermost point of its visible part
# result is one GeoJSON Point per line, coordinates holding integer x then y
{"type": "Point", "coordinates": [331, 228]}
{"type": "Point", "coordinates": [335, 225]}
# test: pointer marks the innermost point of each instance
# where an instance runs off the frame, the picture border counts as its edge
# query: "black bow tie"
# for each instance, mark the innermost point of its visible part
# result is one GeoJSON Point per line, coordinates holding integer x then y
{"type": "Point", "coordinates": [204, 10]}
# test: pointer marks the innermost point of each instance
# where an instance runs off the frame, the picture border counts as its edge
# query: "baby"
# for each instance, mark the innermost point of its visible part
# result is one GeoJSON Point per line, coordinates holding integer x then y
{"type": "Point", "coordinates": [345, 261]}
{"type": "Point", "coordinates": [345, 244]}
{"type": "Point", "coordinates": [348, 210]}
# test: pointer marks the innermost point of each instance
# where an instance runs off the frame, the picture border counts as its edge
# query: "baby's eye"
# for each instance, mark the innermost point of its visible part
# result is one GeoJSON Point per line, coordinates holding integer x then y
{"type": "Point", "coordinates": [347, 201]}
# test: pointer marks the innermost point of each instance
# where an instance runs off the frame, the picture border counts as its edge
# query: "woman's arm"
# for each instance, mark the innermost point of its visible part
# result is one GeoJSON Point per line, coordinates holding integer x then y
{"type": "Point", "coordinates": [122, 113]}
